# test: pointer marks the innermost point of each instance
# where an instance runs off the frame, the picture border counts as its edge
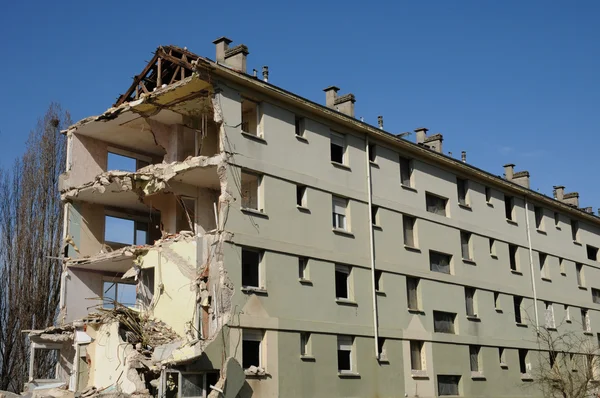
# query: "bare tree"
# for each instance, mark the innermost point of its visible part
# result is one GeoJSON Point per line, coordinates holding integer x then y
{"type": "Point", "coordinates": [30, 245]}
{"type": "Point", "coordinates": [568, 363]}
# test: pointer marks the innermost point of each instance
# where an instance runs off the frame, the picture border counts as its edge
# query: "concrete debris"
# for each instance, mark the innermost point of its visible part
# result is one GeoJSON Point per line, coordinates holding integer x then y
{"type": "Point", "coordinates": [54, 334]}
{"type": "Point", "coordinates": [255, 371]}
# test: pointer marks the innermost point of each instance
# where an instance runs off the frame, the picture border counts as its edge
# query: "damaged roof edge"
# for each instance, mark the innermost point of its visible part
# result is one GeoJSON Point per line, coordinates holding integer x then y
{"type": "Point", "coordinates": [447, 161]}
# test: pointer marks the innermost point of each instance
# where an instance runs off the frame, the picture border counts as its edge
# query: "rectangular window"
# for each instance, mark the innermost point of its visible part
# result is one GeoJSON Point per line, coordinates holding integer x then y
{"type": "Point", "coordinates": [470, 301]}
{"type": "Point", "coordinates": [549, 315]}
{"type": "Point", "coordinates": [303, 268]}
{"type": "Point", "coordinates": [381, 348]}
{"type": "Point", "coordinates": [439, 262]}
{"type": "Point", "coordinates": [405, 171]}
{"type": "Point", "coordinates": [416, 355]}
{"type": "Point", "coordinates": [251, 195]}
{"type": "Point", "coordinates": [488, 195]}
{"type": "Point", "coordinates": [579, 274]}
{"type": "Point", "coordinates": [474, 351]}
{"type": "Point", "coordinates": [518, 301]}
{"type": "Point", "coordinates": [509, 204]}
{"type": "Point", "coordinates": [122, 293]}
{"type": "Point", "coordinates": [375, 215]}
{"type": "Point", "coordinates": [251, 260]}
{"type": "Point", "coordinates": [513, 258]}
{"type": "Point", "coordinates": [120, 232]}
{"type": "Point", "coordinates": [301, 196]}
{"type": "Point", "coordinates": [408, 224]}
{"type": "Point", "coordinates": [543, 265]}
{"type": "Point", "coordinates": [539, 217]}
{"type": "Point", "coordinates": [299, 123]}
{"type": "Point", "coordinates": [378, 277]}
{"type": "Point", "coordinates": [492, 247]}
{"type": "Point", "coordinates": [305, 344]}
{"type": "Point", "coordinates": [251, 117]}
{"type": "Point", "coordinates": [462, 188]}
{"type": "Point", "coordinates": [448, 385]}
{"type": "Point", "coordinates": [561, 266]}
{"type": "Point", "coordinates": [443, 322]}
{"type": "Point", "coordinates": [556, 219]}
{"type": "Point", "coordinates": [575, 230]}
{"type": "Point", "coordinates": [436, 204]}
{"type": "Point", "coordinates": [465, 245]}
{"type": "Point", "coordinates": [567, 314]}
{"type": "Point", "coordinates": [412, 292]}
{"type": "Point", "coordinates": [339, 206]}
{"type": "Point", "coordinates": [592, 252]}
{"type": "Point", "coordinates": [116, 161]}
{"type": "Point", "coordinates": [344, 353]}
{"type": "Point", "coordinates": [372, 153]}
{"type": "Point", "coordinates": [338, 147]}
{"type": "Point", "coordinates": [251, 348]}
{"type": "Point", "coordinates": [585, 320]}
{"type": "Point", "coordinates": [596, 296]}
{"type": "Point", "coordinates": [342, 281]}
{"type": "Point", "coordinates": [497, 301]}
{"type": "Point", "coordinates": [524, 365]}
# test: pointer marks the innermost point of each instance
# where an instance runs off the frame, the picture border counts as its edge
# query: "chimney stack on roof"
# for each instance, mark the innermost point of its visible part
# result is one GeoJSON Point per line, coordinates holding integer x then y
{"type": "Point", "coordinates": [234, 57]}
{"type": "Point", "coordinates": [433, 142]}
{"type": "Point", "coordinates": [571, 198]}
{"type": "Point", "coordinates": [265, 73]}
{"type": "Point", "coordinates": [463, 156]}
{"type": "Point", "coordinates": [343, 103]}
{"type": "Point", "coordinates": [520, 177]}
{"type": "Point", "coordinates": [380, 122]}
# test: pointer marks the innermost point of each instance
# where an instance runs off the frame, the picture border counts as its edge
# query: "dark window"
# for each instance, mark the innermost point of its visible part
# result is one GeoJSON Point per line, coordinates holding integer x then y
{"type": "Point", "coordinates": [448, 385]}
{"type": "Point", "coordinates": [552, 357]}
{"type": "Point", "coordinates": [488, 194]}
{"type": "Point", "coordinates": [497, 300]}
{"type": "Point", "coordinates": [596, 296]}
{"type": "Point", "coordinates": [375, 215]}
{"type": "Point", "coordinates": [251, 341]}
{"type": "Point", "coordinates": [344, 353]}
{"type": "Point", "coordinates": [381, 347]}
{"type": "Point", "coordinates": [443, 322]}
{"type": "Point", "coordinates": [512, 253]}
{"type": "Point", "coordinates": [517, 308]}
{"type": "Point", "coordinates": [492, 249]}
{"type": "Point", "coordinates": [338, 147]}
{"type": "Point", "coordinates": [539, 217]}
{"type": "Point", "coordinates": [439, 262]}
{"type": "Point", "coordinates": [378, 275]}
{"type": "Point", "coordinates": [436, 204]}
{"type": "Point", "coordinates": [250, 267]}
{"type": "Point", "coordinates": [405, 171]}
{"type": "Point", "coordinates": [372, 152]}
{"type": "Point", "coordinates": [301, 195]}
{"type": "Point", "coordinates": [592, 252]}
{"type": "Point", "coordinates": [412, 292]}
{"type": "Point", "coordinates": [409, 230]}
{"type": "Point", "coordinates": [556, 218]}
{"type": "Point", "coordinates": [579, 274]}
{"type": "Point", "coordinates": [299, 126]}
{"type": "Point", "coordinates": [461, 186]}
{"type": "Point", "coordinates": [509, 204]}
{"type": "Point", "coordinates": [303, 267]}
{"type": "Point", "coordinates": [474, 357]}
{"type": "Point", "coordinates": [574, 230]}
{"type": "Point", "coordinates": [465, 240]}
{"type": "Point", "coordinates": [523, 361]}
{"type": "Point", "coordinates": [416, 355]}
{"type": "Point", "coordinates": [470, 301]}
{"type": "Point", "coordinates": [342, 274]}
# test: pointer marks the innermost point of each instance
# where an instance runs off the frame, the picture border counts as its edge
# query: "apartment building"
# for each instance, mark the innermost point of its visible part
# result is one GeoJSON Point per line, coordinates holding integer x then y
{"type": "Point", "coordinates": [276, 247]}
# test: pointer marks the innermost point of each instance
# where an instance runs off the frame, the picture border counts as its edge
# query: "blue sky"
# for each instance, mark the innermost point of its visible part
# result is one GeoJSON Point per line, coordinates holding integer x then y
{"type": "Point", "coordinates": [507, 81]}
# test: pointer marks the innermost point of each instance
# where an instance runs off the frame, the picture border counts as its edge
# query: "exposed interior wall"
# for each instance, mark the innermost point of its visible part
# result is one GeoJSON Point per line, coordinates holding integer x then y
{"type": "Point", "coordinates": [88, 159]}
{"type": "Point", "coordinates": [81, 285]}
{"type": "Point", "coordinates": [108, 358]}
{"type": "Point", "coordinates": [86, 227]}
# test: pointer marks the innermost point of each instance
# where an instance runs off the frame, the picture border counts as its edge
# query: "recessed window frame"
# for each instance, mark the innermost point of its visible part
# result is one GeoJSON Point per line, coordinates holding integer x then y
{"type": "Point", "coordinates": [340, 213]}
{"type": "Point", "coordinates": [462, 188]}
{"type": "Point", "coordinates": [345, 352]}
{"type": "Point", "coordinates": [409, 229]}
{"type": "Point", "coordinates": [406, 171]}
{"type": "Point", "coordinates": [342, 282]}
{"type": "Point", "coordinates": [249, 188]}
{"type": "Point", "coordinates": [247, 257]}
{"type": "Point", "coordinates": [413, 293]}
{"type": "Point", "coordinates": [444, 322]}
{"type": "Point", "coordinates": [301, 196]}
{"type": "Point", "coordinates": [436, 204]}
{"type": "Point", "coordinates": [437, 262]}
{"type": "Point", "coordinates": [338, 148]}
{"type": "Point", "coordinates": [251, 337]}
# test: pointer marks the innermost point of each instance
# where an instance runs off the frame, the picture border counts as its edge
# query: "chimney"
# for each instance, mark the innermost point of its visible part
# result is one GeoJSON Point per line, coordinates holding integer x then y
{"type": "Point", "coordinates": [434, 142]}
{"type": "Point", "coordinates": [235, 57]}
{"type": "Point", "coordinates": [222, 44]}
{"type": "Point", "coordinates": [345, 104]}
{"type": "Point", "coordinates": [588, 210]}
{"type": "Point", "coordinates": [521, 178]}
{"type": "Point", "coordinates": [266, 73]}
{"type": "Point", "coordinates": [254, 73]}
{"type": "Point", "coordinates": [421, 134]}
{"type": "Point", "coordinates": [380, 122]}
{"type": "Point", "coordinates": [509, 170]}
{"type": "Point", "coordinates": [331, 95]}
{"type": "Point", "coordinates": [463, 156]}
{"type": "Point", "coordinates": [559, 192]}
{"type": "Point", "coordinates": [571, 199]}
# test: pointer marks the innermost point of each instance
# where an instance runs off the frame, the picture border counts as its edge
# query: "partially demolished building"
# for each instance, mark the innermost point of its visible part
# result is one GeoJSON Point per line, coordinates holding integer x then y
{"type": "Point", "coordinates": [226, 237]}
